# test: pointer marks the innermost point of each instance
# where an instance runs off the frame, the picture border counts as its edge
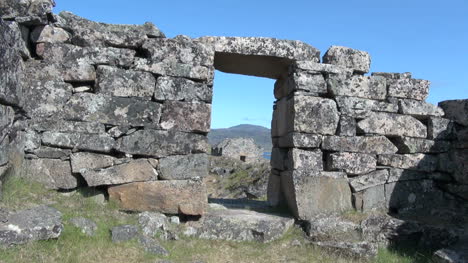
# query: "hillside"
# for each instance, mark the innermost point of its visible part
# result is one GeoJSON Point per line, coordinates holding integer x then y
{"type": "Point", "coordinates": [261, 135]}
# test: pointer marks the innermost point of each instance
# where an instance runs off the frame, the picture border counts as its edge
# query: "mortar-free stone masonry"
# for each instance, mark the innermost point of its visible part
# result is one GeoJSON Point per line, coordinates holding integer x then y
{"type": "Point", "coordinates": [123, 108]}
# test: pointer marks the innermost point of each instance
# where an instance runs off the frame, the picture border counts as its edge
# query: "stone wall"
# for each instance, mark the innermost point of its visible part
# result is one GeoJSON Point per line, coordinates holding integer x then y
{"type": "Point", "coordinates": [123, 108]}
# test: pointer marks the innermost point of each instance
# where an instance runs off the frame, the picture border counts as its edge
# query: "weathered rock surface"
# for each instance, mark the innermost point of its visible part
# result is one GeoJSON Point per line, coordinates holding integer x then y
{"type": "Point", "coordinates": [172, 197]}
{"type": "Point", "coordinates": [346, 126]}
{"type": "Point", "coordinates": [138, 170]}
{"type": "Point", "coordinates": [153, 223]}
{"type": "Point", "coordinates": [90, 161]}
{"type": "Point", "coordinates": [53, 173]}
{"type": "Point", "coordinates": [68, 126]}
{"type": "Point", "coordinates": [49, 34]}
{"type": "Point", "coordinates": [456, 110]}
{"type": "Point", "coordinates": [412, 194]}
{"type": "Point", "coordinates": [418, 161]}
{"type": "Point", "coordinates": [332, 228]}
{"type": "Point", "coordinates": [457, 253]}
{"type": "Point", "coordinates": [417, 145]}
{"type": "Point", "coordinates": [124, 83]}
{"type": "Point", "coordinates": [52, 153]}
{"type": "Point", "coordinates": [87, 226]}
{"type": "Point", "coordinates": [243, 225]}
{"type": "Point", "coordinates": [49, 97]}
{"type": "Point", "coordinates": [300, 140]}
{"type": "Point", "coordinates": [169, 88]}
{"type": "Point", "coordinates": [32, 12]}
{"type": "Point", "coordinates": [369, 199]}
{"type": "Point", "coordinates": [238, 148]}
{"type": "Point", "coordinates": [392, 125]}
{"type": "Point", "coordinates": [354, 249]}
{"type": "Point", "coordinates": [310, 83]}
{"type": "Point", "coordinates": [39, 223]}
{"type": "Point", "coordinates": [304, 161]}
{"type": "Point", "coordinates": [352, 163]}
{"type": "Point", "coordinates": [124, 233]}
{"type": "Point", "coordinates": [151, 246]}
{"type": "Point", "coordinates": [81, 141]}
{"type": "Point", "coordinates": [90, 33]}
{"type": "Point", "coordinates": [313, 115]}
{"type": "Point", "coordinates": [416, 89]}
{"type": "Point", "coordinates": [183, 167]}
{"type": "Point", "coordinates": [175, 69]}
{"type": "Point", "coordinates": [361, 144]}
{"type": "Point", "coordinates": [346, 57]}
{"type": "Point", "coordinates": [378, 177]}
{"type": "Point", "coordinates": [419, 108]}
{"type": "Point", "coordinates": [362, 108]}
{"type": "Point", "coordinates": [367, 87]}
{"type": "Point", "coordinates": [460, 165]}
{"type": "Point", "coordinates": [174, 116]}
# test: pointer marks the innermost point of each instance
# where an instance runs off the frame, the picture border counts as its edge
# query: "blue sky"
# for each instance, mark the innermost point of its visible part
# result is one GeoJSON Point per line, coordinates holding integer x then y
{"type": "Point", "coordinates": [426, 37]}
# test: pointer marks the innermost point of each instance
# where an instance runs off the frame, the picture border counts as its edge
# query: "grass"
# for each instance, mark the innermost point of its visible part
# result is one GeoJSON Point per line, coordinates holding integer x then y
{"type": "Point", "coordinates": [73, 246]}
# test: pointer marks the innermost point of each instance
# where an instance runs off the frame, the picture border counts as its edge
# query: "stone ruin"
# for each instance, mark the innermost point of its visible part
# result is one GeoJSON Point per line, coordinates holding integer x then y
{"type": "Point", "coordinates": [243, 149]}
{"type": "Point", "coordinates": [123, 108]}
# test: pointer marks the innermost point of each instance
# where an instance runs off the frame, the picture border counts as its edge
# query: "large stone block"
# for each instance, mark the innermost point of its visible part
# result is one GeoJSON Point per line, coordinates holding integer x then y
{"type": "Point", "coordinates": [68, 126]}
{"type": "Point", "coordinates": [43, 99]}
{"type": "Point", "coordinates": [439, 128]}
{"type": "Point", "coordinates": [169, 88]}
{"type": "Point", "coordinates": [370, 199]}
{"type": "Point", "coordinates": [346, 126]}
{"type": "Point", "coordinates": [179, 167]}
{"type": "Point", "coordinates": [175, 116]}
{"type": "Point", "coordinates": [175, 69]}
{"type": "Point", "coordinates": [125, 83]}
{"type": "Point", "coordinates": [91, 161]}
{"type": "Point", "coordinates": [362, 182]}
{"type": "Point", "coordinates": [162, 143]}
{"type": "Point", "coordinates": [420, 109]}
{"type": "Point", "coordinates": [392, 125]}
{"type": "Point", "coordinates": [360, 144]}
{"type": "Point", "coordinates": [75, 71]}
{"type": "Point", "coordinates": [346, 57]}
{"type": "Point", "coordinates": [259, 56]}
{"type": "Point", "coordinates": [90, 33]}
{"type": "Point", "coordinates": [312, 66]}
{"type": "Point", "coordinates": [80, 141]}
{"type": "Point", "coordinates": [352, 163]}
{"type": "Point", "coordinates": [312, 115]}
{"type": "Point", "coordinates": [368, 87]}
{"type": "Point", "coordinates": [416, 89]}
{"type": "Point", "coordinates": [139, 170]}
{"type": "Point", "coordinates": [33, 12]}
{"type": "Point", "coordinates": [307, 82]}
{"type": "Point", "coordinates": [418, 145]}
{"type": "Point", "coordinates": [19, 38]}
{"type": "Point", "coordinates": [304, 161]}
{"type": "Point", "coordinates": [300, 140]}
{"type": "Point", "coordinates": [65, 53]}
{"type": "Point", "coordinates": [52, 173]}
{"type": "Point", "coordinates": [52, 153]}
{"type": "Point", "coordinates": [181, 49]}
{"type": "Point", "coordinates": [319, 193]}
{"type": "Point", "coordinates": [112, 110]}
{"type": "Point", "coordinates": [456, 110]}
{"type": "Point", "coordinates": [412, 194]}
{"type": "Point", "coordinates": [418, 161]}
{"type": "Point", "coordinates": [170, 197]}
{"type": "Point", "coordinates": [49, 34]}
{"type": "Point", "coordinates": [362, 108]}
{"type": "Point", "coordinates": [397, 175]}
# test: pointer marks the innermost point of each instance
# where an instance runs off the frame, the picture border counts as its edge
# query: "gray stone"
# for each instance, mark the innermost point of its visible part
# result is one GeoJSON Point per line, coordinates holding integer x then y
{"type": "Point", "coordinates": [457, 253]}
{"type": "Point", "coordinates": [243, 225]}
{"type": "Point", "coordinates": [360, 249]}
{"type": "Point", "coordinates": [52, 173]}
{"type": "Point", "coordinates": [112, 110]}
{"type": "Point", "coordinates": [397, 175]}
{"type": "Point", "coordinates": [304, 161]}
{"type": "Point", "coordinates": [258, 56]}
{"type": "Point", "coordinates": [419, 109]}
{"type": "Point", "coordinates": [169, 88]}
{"type": "Point", "coordinates": [152, 223]}
{"type": "Point", "coordinates": [68, 126]}
{"type": "Point", "coordinates": [162, 143]}
{"type": "Point", "coordinates": [174, 116]}
{"type": "Point", "coordinates": [369, 199]}
{"type": "Point", "coordinates": [416, 89]}
{"type": "Point", "coordinates": [346, 126]}
{"type": "Point", "coordinates": [151, 246]}
{"type": "Point", "coordinates": [456, 110]}
{"type": "Point", "coordinates": [393, 75]}
{"type": "Point", "coordinates": [360, 144]}
{"type": "Point", "coordinates": [89, 33]}
{"type": "Point", "coordinates": [80, 141]}
{"type": "Point", "coordinates": [312, 66]}
{"type": "Point", "coordinates": [65, 53]}
{"type": "Point", "coordinates": [438, 128]}
{"type": "Point", "coordinates": [418, 161]}
{"type": "Point", "coordinates": [28, 140]}
{"type": "Point", "coordinates": [135, 171]}
{"type": "Point", "coordinates": [300, 140]}
{"type": "Point", "coordinates": [392, 125]}
{"type": "Point", "coordinates": [346, 57]}
{"type": "Point", "coordinates": [75, 71]}
{"type": "Point", "coordinates": [352, 163]}
{"type": "Point", "coordinates": [7, 115]}
{"type": "Point", "coordinates": [52, 153]}
{"type": "Point", "coordinates": [275, 195]}
{"type": "Point", "coordinates": [459, 158]}
{"type": "Point", "coordinates": [278, 158]}
{"type": "Point", "coordinates": [49, 97]}
{"type": "Point", "coordinates": [179, 50]}
{"type": "Point", "coordinates": [244, 149]}
{"type": "Point", "coordinates": [30, 12]}
{"type": "Point", "coordinates": [39, 223]}
{"type": "Point", "coordinates": [332, 228]}
{"type": "Point", "coordinates": [413, 194]}
{"type": "Point", "coordinates": [313, 115]}
{"type": "Point", "coordinates": [369, 180]}
{"type": "Point", "coordinates": [87, 226]}
{"type": "Point", "coordinates": [362, 108]}
{"type": "Point", "coordinates": [311, 83]}
{"type": "Point", "coordinates": [124, 233]}
{"type": "Point", "coordinates": [317, 193]}
{"type": "Point", "coordinates": [368, 87]}
{"type": "Point", "coordinates": [417, 145]}
{"type": "Point", "coordinates": [124, 83]}
{"type": "Point", "coordinates": [174, 69]}
{"type": "Point", "coordinates": [20, 41]}
{"type": "Point", "coordinates": [49, 34]}
{"type": "Point", "coordinates": [91, 161]}
{"type": "Point", "coordinates": [183, 166]}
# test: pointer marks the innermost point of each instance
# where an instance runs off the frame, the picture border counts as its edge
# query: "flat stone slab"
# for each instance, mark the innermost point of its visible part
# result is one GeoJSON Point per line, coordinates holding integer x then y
{"type": "Point", "coordinates": [243, 225]}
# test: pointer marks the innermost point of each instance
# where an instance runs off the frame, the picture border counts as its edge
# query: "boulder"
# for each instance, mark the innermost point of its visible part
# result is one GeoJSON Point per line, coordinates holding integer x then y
{"type": "Point", "coordinates": [418, 145]}
{"type": "Point", "coordinates": [362, 182]}
{"type": "Point", "coordinates": [456, 110]}
{"type": "Point", "coordinates": [362, 108]}
{"type": "Point", "coordinates": [178, 167]}
{"type": "Point", "coordinates": [138, 170]}
{"type": "Point", "coordinates": [318, 193]}
{"type": "Point", "coordinates": [360, 144]}
{"type": "Point", "coordinates": [112, 110]}
{"type": "Point", "coordinates": [174, 116]}
{"type": "Point", "coordinates": [39, 223]}
{"type": "Point", "coordinates": [90, 33]}
{"type": "Point", "coordinates": [153, 223]}
{"type": "Point", "coordinates": [90, 161]}
{"type": "Point", "coordinates": [304, 161]}
{"type": "Point", "coordinates": [169, 88]}
{"type": "Point", "coordinates": [175, 69]}
{"type": "Point", "coordinates": [392, 125]}
{"type": "Point", "coordinates": [80, 141]}
{"type": "Point", "coordinates": [151, 246]}
{"type": "Point", "coordinates": [300, 140]}
{"type": "Point", "coordinates": [419, 109]}
{"type": "Point", "coordinates": [171, 197]}
{"type": "Point", "coordinates": [49, 34]}
{"type": "Point", "coordinates": [87, 226]}
{"type": "Point", "coordinates": [367, 87]}
{"type": "Point", "coordinates": [357, 60]}
{"type": "Point", "coordinates": [243, 225]}
{"type": "Point", "coordinates": [124, 233]}
{"type": "Point", "coordinates": [159, 143]}
{"type": "Point", "coordinates": [352, 163]}
{"type": "Point", "coordinates": [417, 161]}
{"type": "Point", "coordinates": [52, 173]}
{"type": "Point", "coordinates": [118, 82]}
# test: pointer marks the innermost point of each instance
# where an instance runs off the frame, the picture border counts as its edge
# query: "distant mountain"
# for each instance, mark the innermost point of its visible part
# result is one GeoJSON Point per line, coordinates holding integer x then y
{"type": "Point", "coordinates": [261, 135]}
